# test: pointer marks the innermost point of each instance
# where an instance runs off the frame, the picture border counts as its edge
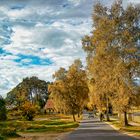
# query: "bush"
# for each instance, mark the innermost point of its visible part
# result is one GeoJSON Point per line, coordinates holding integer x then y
{"type": "Point", "coordinates": [9, 132]}
{"type": "Point", "coordinates": [3, 114]}
{"type": "Point", "coordinates": [28, 111]}
{"type": "Point", "coordinates": [14, 114]}
{"type": "Point", "coordinates": [2, 137]}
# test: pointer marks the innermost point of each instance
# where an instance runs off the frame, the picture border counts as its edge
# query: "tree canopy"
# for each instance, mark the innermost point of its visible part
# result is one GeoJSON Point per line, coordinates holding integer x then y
{"type": "Point", "coordinates": [113, 55]}
{"type": "Point", "coordinates": [31, 89]}
{"type": "Point", "coordinates": [70, 90]}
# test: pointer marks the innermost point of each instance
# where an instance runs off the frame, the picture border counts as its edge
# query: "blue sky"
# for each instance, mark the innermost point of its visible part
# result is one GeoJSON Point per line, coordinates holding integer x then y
{"type": "Point", "coordinates": [39, 36]}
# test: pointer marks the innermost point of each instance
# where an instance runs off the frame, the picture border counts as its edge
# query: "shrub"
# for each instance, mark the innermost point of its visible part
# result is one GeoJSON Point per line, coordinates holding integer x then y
{"type": "Point", "coordinates": [28, 111]}
{"type": "Point", "coordinates": [2, 137]}
{"type": "Point", "coordinates": [3, 114]}
{"type": "Point", "coordinates": [9, 132]}
{"type": "Point", "coordinates": [14, 114]}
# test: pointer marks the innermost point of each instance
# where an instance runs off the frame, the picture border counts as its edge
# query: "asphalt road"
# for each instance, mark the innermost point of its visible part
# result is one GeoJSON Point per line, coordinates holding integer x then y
{"type": "Point", "coordinates": [93, 129]}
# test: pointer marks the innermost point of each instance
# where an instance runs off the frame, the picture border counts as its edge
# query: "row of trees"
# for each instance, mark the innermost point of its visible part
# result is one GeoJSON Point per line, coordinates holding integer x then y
{"type": "Point", "coordinates": [113, 67]}
{"type": "Point", "coordinates": [113, 64]}
{"type": "Point", "coordinates": [113, 57]}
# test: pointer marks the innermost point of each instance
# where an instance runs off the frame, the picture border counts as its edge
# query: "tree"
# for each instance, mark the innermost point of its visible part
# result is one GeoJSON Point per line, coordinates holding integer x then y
{"type": "Point", "coordinates": [28, 110]}
{"type": "Point", "coordinates": [69, 90]}
{"type": "Point", "coordinates": [113, 55]}
{"type": "Point", "coordinates": [3, 115]}
{"type": "Point", "coordinates": [30, 89]}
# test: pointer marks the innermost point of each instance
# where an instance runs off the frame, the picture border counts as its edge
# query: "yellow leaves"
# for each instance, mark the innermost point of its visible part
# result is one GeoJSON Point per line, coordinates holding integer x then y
{"type": "Point", "coordinates": [28, 110]}
{"type": "Point", "coordinates": [104, 33]}
{"type": "Point", "coordinates": [127, 36]}
{"type": "Point", "coordinates": [87, 44]}
{"type": "Point", "coordinates": [126, 33]}
{"type": "Point", "coordinates": [70, 92]}
{"type": "Point", "coordinates": [28, 107]}
{"type": "Point", "coordinates": [60, 74]}
{"type": "Point", "coordinates": [116, 9]}
{"type": "Point", "coordinates": [115, 60]}
{"type": "Point", "coordinates": [131, 50]}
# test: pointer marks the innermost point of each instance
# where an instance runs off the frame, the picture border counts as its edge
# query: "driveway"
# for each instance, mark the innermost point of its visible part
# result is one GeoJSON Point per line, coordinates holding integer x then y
{"type": "Point", "coordinates": [93, 129]}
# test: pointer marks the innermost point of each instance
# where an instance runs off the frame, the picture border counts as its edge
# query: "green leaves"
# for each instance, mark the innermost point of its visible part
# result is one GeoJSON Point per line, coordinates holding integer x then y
{"type": "Point", "coordinates": [30, 89]}
{"type": "Point", "coordinates": [3, 113]}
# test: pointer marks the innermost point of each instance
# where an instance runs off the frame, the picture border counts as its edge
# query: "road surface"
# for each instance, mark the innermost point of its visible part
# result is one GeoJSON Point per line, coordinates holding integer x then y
{"type": "Point", "coordinates": [93, 129]}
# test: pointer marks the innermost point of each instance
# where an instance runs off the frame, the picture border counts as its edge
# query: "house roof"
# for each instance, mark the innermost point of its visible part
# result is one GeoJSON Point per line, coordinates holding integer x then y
{"type": "Point", "coordinates": [49, 104]}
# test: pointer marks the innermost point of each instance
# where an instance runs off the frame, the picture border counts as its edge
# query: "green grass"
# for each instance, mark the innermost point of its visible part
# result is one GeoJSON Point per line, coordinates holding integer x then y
{"type": "Point", "coordinates": [49, 125]}
{"type": "Point", "coordinates": [53, 126]}
{"type": "Point", "coordinates": [131, 129]}
{"type": "Point", "coordinates": [2, 137]}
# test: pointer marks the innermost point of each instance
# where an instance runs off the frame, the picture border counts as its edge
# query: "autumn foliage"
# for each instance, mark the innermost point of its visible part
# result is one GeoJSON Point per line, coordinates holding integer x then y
{"type": "Point", "coordinates": [113, 57]}
{"type": "Point", "coordinates": [28, 111]}
{"type": "Point", "coordinates": [70, 90]}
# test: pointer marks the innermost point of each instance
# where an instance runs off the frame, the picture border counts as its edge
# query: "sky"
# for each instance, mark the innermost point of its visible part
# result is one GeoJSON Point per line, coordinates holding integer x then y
{"type": "Point", "coordinates": [37, 37]}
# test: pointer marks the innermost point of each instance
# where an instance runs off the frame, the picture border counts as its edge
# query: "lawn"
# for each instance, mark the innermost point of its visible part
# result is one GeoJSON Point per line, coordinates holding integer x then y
{"type": "Point", "coordinates": [134, 130]}
{"type": "Point", "coordinates": [45, 123]}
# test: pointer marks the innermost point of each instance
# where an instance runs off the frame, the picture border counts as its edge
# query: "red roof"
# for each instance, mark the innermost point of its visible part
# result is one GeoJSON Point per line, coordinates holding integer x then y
{"type": "Point", "coordinates": [49, 104]}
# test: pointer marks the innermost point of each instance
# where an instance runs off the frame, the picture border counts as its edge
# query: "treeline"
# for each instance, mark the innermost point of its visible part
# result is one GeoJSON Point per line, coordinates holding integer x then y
{"type": "Point", "coordinates": [113, 65]}
{"type": "Point", "coordinates": [111, 76]}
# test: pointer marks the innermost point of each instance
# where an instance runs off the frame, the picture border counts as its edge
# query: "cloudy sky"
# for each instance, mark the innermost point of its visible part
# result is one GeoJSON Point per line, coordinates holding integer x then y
{"type": "Point", "coordinates": [39, 36]}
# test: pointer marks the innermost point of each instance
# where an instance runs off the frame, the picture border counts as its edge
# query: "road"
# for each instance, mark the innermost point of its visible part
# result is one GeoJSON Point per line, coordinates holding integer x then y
{"type": "Point", "coordinates": [93, 129]}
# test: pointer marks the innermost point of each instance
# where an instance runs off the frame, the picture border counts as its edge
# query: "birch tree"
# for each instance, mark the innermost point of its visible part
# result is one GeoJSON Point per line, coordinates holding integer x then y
{"type": "Point", "coordinates": [113, 54]}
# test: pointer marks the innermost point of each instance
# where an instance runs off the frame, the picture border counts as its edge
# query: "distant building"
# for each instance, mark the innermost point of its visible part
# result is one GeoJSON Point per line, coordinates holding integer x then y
{"type": "Point", "coordinates": [49, 106]}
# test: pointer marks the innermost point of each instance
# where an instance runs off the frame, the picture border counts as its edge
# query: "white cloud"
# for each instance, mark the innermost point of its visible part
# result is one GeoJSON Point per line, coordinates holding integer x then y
{"type": "Point", "coordinates": [134, 1]}
{"type": "Point", "coordinates": [44, 39]}
{"type": "Point", "coordinates": [60, 42]}
{"type": "Point", "coordinates": [76, 2]}
{"type": "Point", "coordinates": [47, 29]}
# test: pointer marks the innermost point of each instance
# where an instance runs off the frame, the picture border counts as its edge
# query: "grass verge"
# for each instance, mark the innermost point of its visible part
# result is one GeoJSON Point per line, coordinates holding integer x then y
{"type": "Point", "coordinates": [131, 129]}
{"type": "Point", "coordinates": [56, 124]}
